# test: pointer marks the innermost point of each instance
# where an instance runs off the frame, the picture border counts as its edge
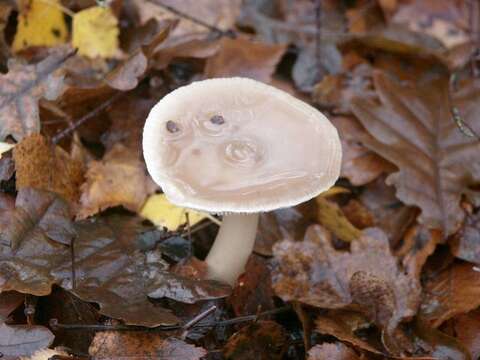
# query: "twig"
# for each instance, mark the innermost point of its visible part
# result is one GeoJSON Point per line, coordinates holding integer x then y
{"type": "Point", "coordinates": [72, 256]}
{"type": "Point", "coordinates": [99, 109]}
{"type": "Point", "coordinates": [54, 324]}
{"type": "Point", "coordinates": [195, 320]}
{"type": "Point", "coordinates": [228, 33]}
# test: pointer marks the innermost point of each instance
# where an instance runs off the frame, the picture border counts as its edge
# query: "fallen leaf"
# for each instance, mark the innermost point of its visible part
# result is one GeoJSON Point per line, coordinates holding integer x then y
{"type": "Point", "coordinates": [342, 327]}
{"type": "Point", "coordinates": [260, 340]}
{"type": "Point", "coordinates": [46, 354]}
{"type": "Point", "coordinates": [313, 272]}
{"type": "Point", "coordinates": [219, 13]}
{"type": "Point", "coordinates": [359, 164]}
{"type": "Point", "coordinates": [44, 166]}
{"type": "Point", "coordinates": [118, 179]}
{"type": "Point", "coordinates": [466, 242]}
{"type": "Point", "coordinates": [22, 87]}
{"type": "Point", "coordinates": [9, 301]}
{"type": "Point", "coordinates": [40, 23]}
{"type": "Point", "coordinates": [358, 215]}
{"type": "Point", "coordinates": [246, 58]}
{"type": "Point", "coordinates": [95, 32]}
{"type": "Point", "coordinates": [279, 224]}
{"type": "Point", "coordinates": [332, 217]}
{"type": "Point", "coordinates": [5, 10]}
{"type": "Point", "coordinates": [126, 75]}
{"type": "Point", "coordinates": [23, 340]}
{"type": "Point", "coordinates": [437, 162]}
{"type": "Point", "coordinates": [110, 345]}
{"type": "Point", "coordinates": [162, 212]}
{"type": "Point", "coordinates": [442, 19]}
{"type": "Point", "coordinates": [333, 351]}
{"type": "Point", "coordinates": [37, 214]}
{"type": "Point", "coordinates": [113, 273]}
{"type": "Point", "coordinates": [253, 289]}
{"type": "Point", "coordinates": [454, 291]}
{"type": "Point", "coordinates": [4, 147]}
{"type": "Point", "coordinates": [467, 328]}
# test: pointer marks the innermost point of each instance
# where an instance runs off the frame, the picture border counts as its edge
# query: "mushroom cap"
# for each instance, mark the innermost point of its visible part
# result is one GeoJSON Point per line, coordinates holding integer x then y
{"type": "Point", "coordinates": [238, 145]}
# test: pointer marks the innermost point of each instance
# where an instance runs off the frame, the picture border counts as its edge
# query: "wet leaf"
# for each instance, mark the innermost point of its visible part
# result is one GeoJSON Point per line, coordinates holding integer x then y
{"type": "Point", "coordinates": [23, 340]}
{"type": "Point", "coordinates": [260, 340]}
{"type": "Point", "coordinates": [95, 32]}
{"type": "Point", "coordinates": [438, 162]}
{"type": "Point", "coordinates": [22, 87]}
{"type": "Point", "coordinates": [114, 345]}
{"type": "Point", "coordinates": [334, 351]}
{"type": "Point", "coordinates": [118, 179]}
{"type": "Point", "coordinates": [454, 291]}
{"type": "Point", "coordinates": [44, 166]}
{"type": "Point", "coordinates": [242, 57]}
{"type": "Point", "coordinates": [37, 214]}
{"type": "Point", "coordinates": [161, 212]}
{"type": "Point", "coordinates": [313, 272]}
{"type": "Point", "coordinates": [253, 288]}
{"type": "Point", "coordinates": [40, 23]}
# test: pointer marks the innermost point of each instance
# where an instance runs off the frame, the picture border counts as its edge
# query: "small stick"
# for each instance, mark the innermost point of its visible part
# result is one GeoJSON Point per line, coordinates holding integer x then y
{"type": "Point", "coordinates": [72, 257]}
{"type": "Point", "coordinates": [195, 320]}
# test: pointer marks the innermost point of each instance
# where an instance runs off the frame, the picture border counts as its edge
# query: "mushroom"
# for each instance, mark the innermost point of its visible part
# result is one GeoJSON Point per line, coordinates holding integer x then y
{"type": "Point", "coordinates": [238, 147]}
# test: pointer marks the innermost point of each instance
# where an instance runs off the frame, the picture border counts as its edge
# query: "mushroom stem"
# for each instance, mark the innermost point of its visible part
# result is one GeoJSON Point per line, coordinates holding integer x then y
{"type": "Point", "coordinates": [232, 247]}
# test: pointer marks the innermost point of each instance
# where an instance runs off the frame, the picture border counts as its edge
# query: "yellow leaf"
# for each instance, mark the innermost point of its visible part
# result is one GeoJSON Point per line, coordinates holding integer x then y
{"type": "Point", "coordinates": [95, 32]}
{"type": "Point", "coordinates": [40, 23]}
{"type": "Point", "coordinates": [161, 212]}
{"type": "Point", "coordinates": [332, 218]}
{"type": "Point", "coordinates": [4, 147]}
{"type": "Point", "coordinates": [335, 190]}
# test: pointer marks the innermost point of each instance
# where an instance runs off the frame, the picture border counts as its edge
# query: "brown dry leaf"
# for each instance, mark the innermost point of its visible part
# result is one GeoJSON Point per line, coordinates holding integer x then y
{"type": "Point", "coordinates": [368, 276]}
{"type": "Point", "coordinates": [359, 164]}
{"type": "Point", "coordinates": [342, 326]}
{"type": "Point", "coordinates": [243, 57]}
{"type": "Point", "coordinates": [23, 340]}
{"type": "Point", "coordinates": [110, 345]}
{"type": "Point", "coordinates": [9, 301]}
{"type": "Point", "coordinates": [264, 340]}
{"type": "Point", "coordinates": [333, 351]}
{"type": "Point", "coordinates": [454, 291]}
{"type": "Point", "coordinates": [436, 160]}
{"type": "Point", "coordinates": [467, 328]}
{"type": "Point", "coordinates": [127, 75]}
{"type": "Point", "coordinates": [280, 224]}
{"type": "Point", "coordinates": [22, 87]}
{"type": "Point", "coordinates": [331, 216]}
{"type": "Point", "coordinates": [444, 20]}
{"type": "Point", "coordinates": [5, 10]}
{"type": "Point", "coordinates": [390, 214]}
{"type": "Point", "coordinates": [44, 166]}
{"type": "Point", "coordinates": [419, 244]}
{"type": "Point", "coordinates": [219, 13]}
{"type": "Point", "coordinates": [466, 242]}
{"type": "Point", "coordinates": [118, 179]}
{"type": "Point", "coordinates": [358, 215]}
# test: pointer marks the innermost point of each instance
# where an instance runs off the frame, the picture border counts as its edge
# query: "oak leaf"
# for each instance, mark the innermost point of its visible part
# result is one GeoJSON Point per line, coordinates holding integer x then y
{"type": "Point", "coordinates": [368, 276]}
{"type": "Point", "coordinates": [118, 179]}
{"type": "Point", "coordinates": [436, 160]}
{"type": "Point", "coordinates": [22, 87]}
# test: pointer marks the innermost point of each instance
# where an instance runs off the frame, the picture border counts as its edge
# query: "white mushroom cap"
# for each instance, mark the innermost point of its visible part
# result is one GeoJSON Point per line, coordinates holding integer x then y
{"type": "Point", "coordinates": [238, 145]}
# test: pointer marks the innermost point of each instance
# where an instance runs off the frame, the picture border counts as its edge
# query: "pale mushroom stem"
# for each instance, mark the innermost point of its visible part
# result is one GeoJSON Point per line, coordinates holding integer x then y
{"type": "Point", "coordinates": [232, 247]}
